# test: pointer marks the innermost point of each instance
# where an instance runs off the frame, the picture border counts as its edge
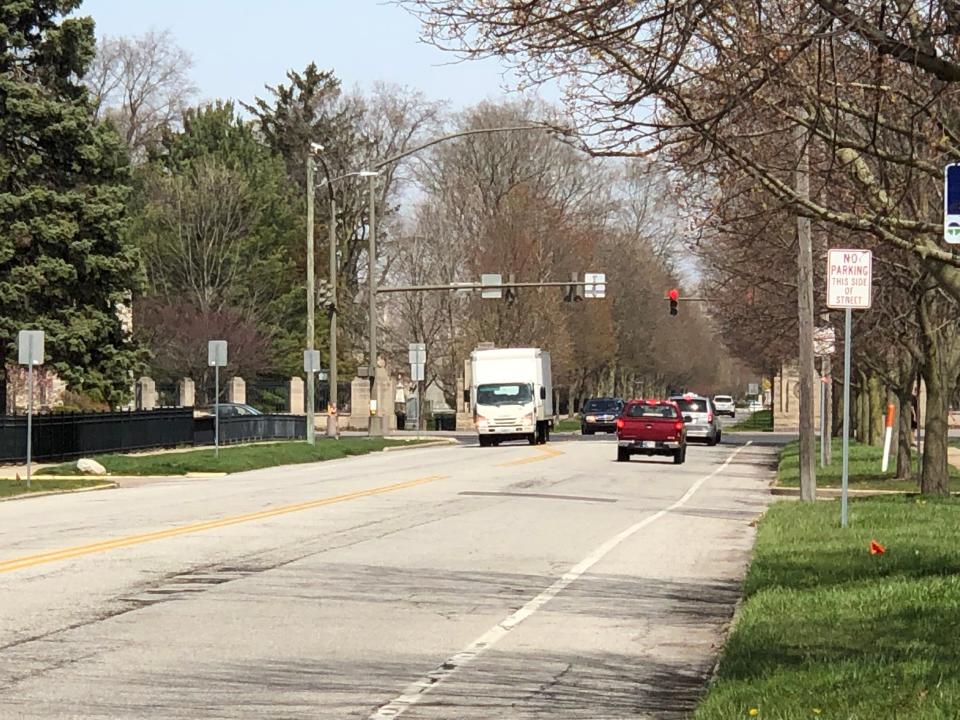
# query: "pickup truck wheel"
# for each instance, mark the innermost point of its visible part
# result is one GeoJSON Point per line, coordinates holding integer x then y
{"type": "Point", "coordinates": [680, 456]}
{"type": "Point", "coordinates": [623, 455]}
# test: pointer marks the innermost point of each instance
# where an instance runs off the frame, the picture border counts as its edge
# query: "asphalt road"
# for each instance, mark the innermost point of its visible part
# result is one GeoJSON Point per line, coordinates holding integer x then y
{"type": "Point", "coordinates": [458, 582]}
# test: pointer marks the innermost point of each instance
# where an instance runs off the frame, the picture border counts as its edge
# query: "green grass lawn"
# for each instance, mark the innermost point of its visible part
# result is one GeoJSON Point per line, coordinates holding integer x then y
{"type": "Point", "coordinates": [760, 421]}
{"type": "Point", "coordinates": [828, 630]}
{"type": "Point", "coordinates": [567, 425]}
{"type": "Point", "coordinates": [235, 458]}
{"type": "Point", "coordinates": [8, 488]}
{"type": "Point", "coordinates": [864, 469]}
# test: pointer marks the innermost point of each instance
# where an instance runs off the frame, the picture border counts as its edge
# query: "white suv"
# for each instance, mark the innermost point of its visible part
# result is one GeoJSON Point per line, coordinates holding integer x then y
{"type": "Point", "coordinates": [724, 405]}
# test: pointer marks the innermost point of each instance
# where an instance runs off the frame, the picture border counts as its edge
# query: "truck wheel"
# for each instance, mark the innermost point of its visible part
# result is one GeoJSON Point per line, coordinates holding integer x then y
{"type": "Point", "coordinates": [713, 441]}
{"type": "Point", "coordinates": [532, 438]}
{"type": "Point", "coordinates": [623, 455]}
{"type": "Point", "coordinates": [680, 456]}
{"type": "Point", "coordinates": [484, 441]}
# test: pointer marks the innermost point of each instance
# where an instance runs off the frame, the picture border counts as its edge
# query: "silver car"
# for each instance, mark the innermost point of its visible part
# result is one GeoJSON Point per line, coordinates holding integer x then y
{"type": "Point", "coordinates": [702, 423]}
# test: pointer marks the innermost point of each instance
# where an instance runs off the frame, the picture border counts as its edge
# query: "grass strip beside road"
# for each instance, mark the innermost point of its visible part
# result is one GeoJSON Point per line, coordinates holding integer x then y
{"type": "Point", "coordinates": [567, 425]}
{"type": "Point", "coordinates": [759, 421]}
{"type": "Point", "coordinates": [865, 472]}
{"type": "Point", "coordinates": [10, 488]}
{"type": "Point", "coordinates": [828, 630]}
{"type": "Point", "coordinates": [234, 459]}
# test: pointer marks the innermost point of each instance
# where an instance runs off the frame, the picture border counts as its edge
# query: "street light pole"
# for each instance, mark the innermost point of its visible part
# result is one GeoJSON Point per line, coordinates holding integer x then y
{"type": "Point", "coordinates": [332, 415]}
{"type": "Point", "coordinates": [375, 427]}
{"type": "Point", "coordinates": [311, 300]}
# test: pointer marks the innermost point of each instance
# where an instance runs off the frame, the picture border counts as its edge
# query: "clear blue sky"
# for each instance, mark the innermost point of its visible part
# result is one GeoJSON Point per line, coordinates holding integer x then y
{"type": "Point", "coordinates": [238, 46]}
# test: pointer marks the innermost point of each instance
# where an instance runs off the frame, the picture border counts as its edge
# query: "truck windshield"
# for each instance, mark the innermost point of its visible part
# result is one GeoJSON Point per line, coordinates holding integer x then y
{"type": "Point", "coordinates": [506, 394]}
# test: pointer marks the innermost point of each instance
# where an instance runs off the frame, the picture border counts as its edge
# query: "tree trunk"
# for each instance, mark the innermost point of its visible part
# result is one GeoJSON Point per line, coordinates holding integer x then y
{"type": "Point", "coordinates": [4, 407]}
{"type": "Point", "coordinates": [935, 477]}
{"type": "Point", "coordinates": [904, 435]}
{"type": "Point", "coordinates": [878, 411]}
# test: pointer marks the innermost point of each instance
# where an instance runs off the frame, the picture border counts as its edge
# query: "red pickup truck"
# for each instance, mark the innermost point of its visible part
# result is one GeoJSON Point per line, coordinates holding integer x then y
{"type": "Point", "coordinates": [651, 427]}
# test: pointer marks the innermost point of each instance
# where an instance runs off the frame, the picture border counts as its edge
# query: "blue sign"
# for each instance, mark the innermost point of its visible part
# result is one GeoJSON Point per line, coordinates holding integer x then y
{"type": "Point", "coordinates": [951, 204]}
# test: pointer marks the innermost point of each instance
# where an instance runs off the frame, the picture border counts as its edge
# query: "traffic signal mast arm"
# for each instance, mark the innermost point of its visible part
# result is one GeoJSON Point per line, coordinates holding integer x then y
{"type": "Point", "coordinates": [481, 286]}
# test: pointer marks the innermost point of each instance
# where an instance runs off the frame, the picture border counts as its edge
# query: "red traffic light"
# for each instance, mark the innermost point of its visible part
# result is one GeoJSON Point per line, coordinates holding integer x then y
{"type": "Point", "coordinates": [673, 294]}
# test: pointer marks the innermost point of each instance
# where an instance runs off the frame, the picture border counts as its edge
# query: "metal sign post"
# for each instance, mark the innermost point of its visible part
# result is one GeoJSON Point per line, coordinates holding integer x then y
{"type": "Point", "coordinates": [216, 358]}
{"type": "Point", "coordinates": [849, 287]}
{"type": "Point", "coordinates": [311, 366]}
{"type": "Point", "coordinates": [30, 353]}
{"type": "Point", "coordinates": [417, 354]}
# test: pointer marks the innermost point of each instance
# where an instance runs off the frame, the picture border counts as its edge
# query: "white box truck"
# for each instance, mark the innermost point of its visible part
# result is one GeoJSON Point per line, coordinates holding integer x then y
{"type": "Point", "coordinates": [512, 395]}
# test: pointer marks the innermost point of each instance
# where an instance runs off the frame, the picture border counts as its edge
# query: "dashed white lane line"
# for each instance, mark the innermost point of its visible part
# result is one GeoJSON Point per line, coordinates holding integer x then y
{"type": "Point", "coordinates": [416, 691]}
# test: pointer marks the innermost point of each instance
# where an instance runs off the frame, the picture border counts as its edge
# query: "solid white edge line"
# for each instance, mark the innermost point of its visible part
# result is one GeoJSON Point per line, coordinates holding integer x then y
{"type": "Point", "coordinates": [415, 691]}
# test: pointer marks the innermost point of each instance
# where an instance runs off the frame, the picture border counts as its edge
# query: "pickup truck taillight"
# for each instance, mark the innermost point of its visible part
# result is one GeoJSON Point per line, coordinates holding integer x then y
{"type": "Point", "coordinates": [709, 417]}
{"type": "Point", "coordinates": [620, 423]}
{"type": "Point", "coordinates": [678, 425]}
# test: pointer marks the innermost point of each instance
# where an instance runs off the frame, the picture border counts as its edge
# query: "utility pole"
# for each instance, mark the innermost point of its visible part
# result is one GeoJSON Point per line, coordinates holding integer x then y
{"type": "Point", "coordinates": [375, 427]}
{"type": "Point", "coordinates": [808, 478]}
{"type": "Point", "coordinates": [311, 300]}
{"type": "Point", "coordinates": [332, 411]}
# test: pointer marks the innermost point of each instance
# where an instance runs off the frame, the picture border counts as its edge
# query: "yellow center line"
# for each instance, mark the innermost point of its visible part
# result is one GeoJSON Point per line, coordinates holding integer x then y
{"type": "Point", "coordinates": [546, 454]}
{"type": "Point", "coordinates": [121, 542]}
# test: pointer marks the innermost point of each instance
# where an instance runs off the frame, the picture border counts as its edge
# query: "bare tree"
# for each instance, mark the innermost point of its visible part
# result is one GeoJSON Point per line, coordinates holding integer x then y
{"type": "Point", "coordinates": [142, 84]}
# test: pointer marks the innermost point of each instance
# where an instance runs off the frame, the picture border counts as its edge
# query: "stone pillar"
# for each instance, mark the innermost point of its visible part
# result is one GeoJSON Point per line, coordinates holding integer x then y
{"type": "Point", "coordinates": [297, 395]}
{"type": "Point", "coordinates": [186, 392]}
{"type": "Point", "coordinates": [237, 391]}
{"type": "Point", "coordinates": [384, 392]}
{"type": "Point", "coordinates": [360, 403]}
{"type": "Point", "coordinates": [146, 394]}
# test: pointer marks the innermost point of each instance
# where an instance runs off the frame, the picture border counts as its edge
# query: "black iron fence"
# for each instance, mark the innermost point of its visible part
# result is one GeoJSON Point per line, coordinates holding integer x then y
{"type": "Point", "coordinates": [71, 435]}
{"type": "Point", "coordinates": [323, 397]}
{"type": "Point", "coordinates": [269, 395]}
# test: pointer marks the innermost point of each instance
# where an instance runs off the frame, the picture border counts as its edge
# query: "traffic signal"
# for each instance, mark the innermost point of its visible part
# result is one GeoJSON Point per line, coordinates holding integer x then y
{"type": "Point", "coordinates": [674, 297]}
{"type": "Point", "coordinates": [510, 291]}
{"type": "Point", "coordinates": [574, 291]}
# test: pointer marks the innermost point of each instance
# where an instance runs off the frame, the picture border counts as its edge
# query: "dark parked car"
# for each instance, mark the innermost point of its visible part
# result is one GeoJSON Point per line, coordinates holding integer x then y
{"type": "Point", "coordinates": [600, 414]}
{"type": "Point", "coordinates": [231, 410]}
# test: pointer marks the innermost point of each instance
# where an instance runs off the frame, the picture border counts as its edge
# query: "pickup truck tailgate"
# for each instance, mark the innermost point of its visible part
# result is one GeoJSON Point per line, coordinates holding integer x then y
{"type": "Point", "coordinates": [648, 428]}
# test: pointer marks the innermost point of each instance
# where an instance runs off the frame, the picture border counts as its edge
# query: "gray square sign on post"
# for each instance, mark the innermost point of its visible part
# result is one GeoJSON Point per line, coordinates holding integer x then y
{"type": "Point", "coordinates": [311, 361]}
{"type": "Point", "coordinates": [417, 353]}
{"type": "Point", "coordinates": [216, 358]}
{"type": "Point", "coordinates": [217, 353]}
{"type": "Point", "coordinates": [489, 283]}
{"type": "Point", "coordinates": [30, 353]}
{"type": "Point", "coordinates": [595, 286]}
{"type": "Point", "coordinates": [30, 347]}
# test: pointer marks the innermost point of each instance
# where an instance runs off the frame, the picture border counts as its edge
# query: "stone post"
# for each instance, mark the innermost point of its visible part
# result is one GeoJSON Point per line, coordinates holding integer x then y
{"type": "Point", "coordinates": [147, 393]}
{"type": "Point", "coordinates": [186, 392]}
{"type": "Point", "coordinates": [359, 403]}
{"type": "Point", "coordinates": [237, 391]}
{"type": "Point", "coordinates": [297, 392]}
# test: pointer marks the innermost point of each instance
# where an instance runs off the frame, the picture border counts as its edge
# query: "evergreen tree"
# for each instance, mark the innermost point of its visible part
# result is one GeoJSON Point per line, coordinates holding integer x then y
{"type": "Point", "coordinates": [66, 266]}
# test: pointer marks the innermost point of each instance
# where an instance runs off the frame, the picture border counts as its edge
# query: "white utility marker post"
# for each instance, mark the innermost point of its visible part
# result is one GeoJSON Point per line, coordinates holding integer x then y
{"type": "Point", "coordinates": [30, 353]}
{"type": "Point", "coordinates": [417, 353]}
{"type": "Point", "coordinates": [888, 436]}
{"type": "Point", "coordinates": [311, 366]}
{"type": "Point", "coordinates": [849, 287]}
{"type": "Point", "coordinates": [216, 358]}
{"type": "Point", "coordinates": [824, 345]}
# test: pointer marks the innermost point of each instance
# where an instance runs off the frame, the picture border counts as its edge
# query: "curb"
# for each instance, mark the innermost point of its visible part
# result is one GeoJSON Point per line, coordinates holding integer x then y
{"type": "Point", "coordinates": [415, 445]}
{"type": "Point", "coordinates": [835, 493]}
{"type": "Point", "coordinates": [48, 493]}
